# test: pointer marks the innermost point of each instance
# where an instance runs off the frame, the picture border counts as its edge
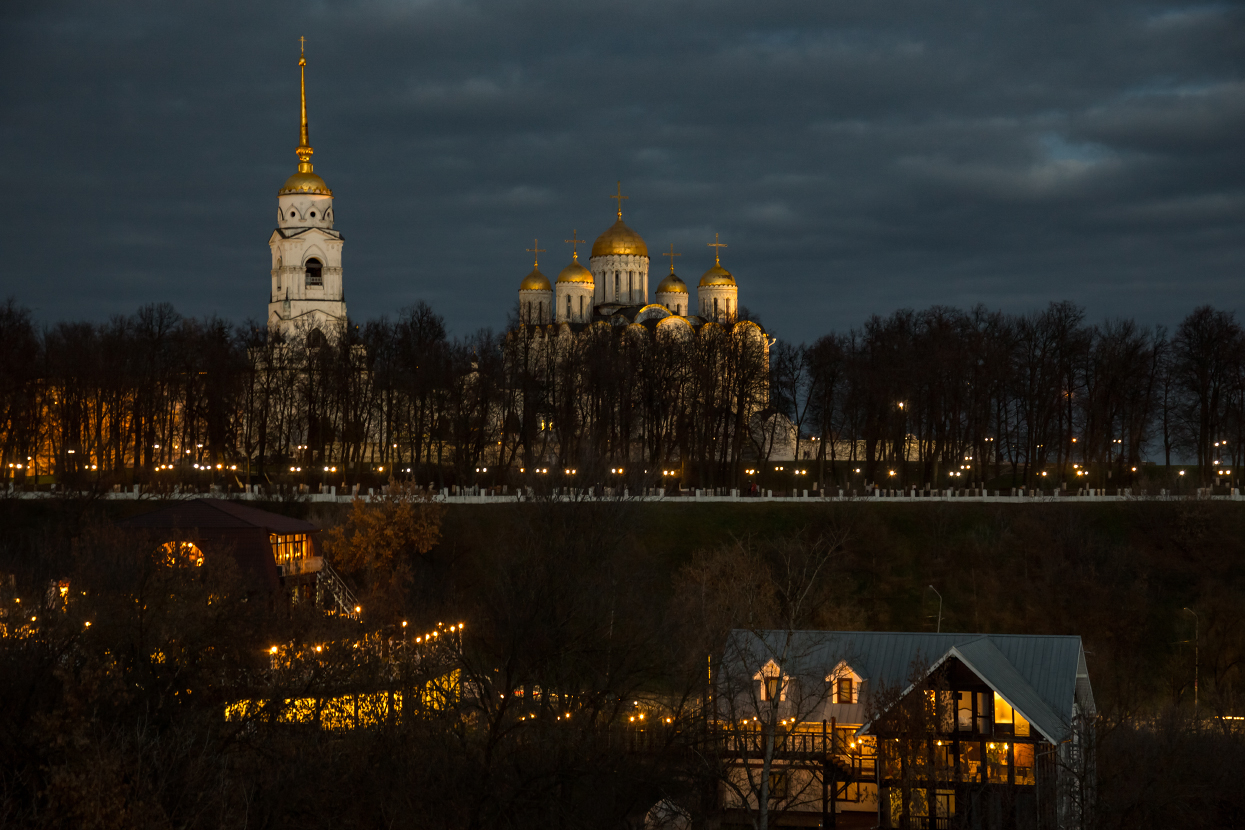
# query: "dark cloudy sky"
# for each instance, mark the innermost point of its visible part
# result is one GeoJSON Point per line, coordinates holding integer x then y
{"type": "Point", "coordinates": [857, 157]}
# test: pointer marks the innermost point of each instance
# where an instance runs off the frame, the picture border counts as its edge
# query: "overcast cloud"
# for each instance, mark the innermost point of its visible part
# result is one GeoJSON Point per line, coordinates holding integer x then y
{"type": "Point", "coordinates": [857, 157]}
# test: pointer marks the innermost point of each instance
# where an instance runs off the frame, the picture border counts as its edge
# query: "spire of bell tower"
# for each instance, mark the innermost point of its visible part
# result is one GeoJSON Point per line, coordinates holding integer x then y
{"type": "Point", "coordinates": [304, 150]}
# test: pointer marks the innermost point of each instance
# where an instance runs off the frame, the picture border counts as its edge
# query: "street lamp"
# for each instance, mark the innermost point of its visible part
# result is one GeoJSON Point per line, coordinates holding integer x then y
{"type": "Point", "coordinates": [1195, 660]}
{"type": "Point", "coordinates": [935, 590]}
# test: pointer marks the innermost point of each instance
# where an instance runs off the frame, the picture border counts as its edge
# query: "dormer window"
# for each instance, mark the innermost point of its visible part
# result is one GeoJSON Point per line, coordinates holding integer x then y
{"type": "Point", "coordinates": [772, 682]}
{"type": "Point", "coordinates": [844, 684]}
{"type": "Point", "coordinates": [843, 690]}
{"type": "Point", "coordinates": [315, 272]}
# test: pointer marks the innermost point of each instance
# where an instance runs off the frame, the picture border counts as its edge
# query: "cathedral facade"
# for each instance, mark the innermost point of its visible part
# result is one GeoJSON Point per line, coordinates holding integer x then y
{"type": "Point", "coordinates": [614, 288]}
{"type": "Point", "coordinates": [306, 294]}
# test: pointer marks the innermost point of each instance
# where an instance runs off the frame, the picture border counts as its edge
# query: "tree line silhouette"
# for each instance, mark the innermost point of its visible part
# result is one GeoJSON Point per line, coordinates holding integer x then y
{"type": "Point", "coordinates": [938, 397]}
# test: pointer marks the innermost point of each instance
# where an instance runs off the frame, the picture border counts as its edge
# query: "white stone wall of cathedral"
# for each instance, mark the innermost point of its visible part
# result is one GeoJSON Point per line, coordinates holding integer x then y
{"type": "Point", "coordinates": [535, 306]}
{"type": "Point", "coordinates": [573, 302]}
{"type": "Point", "coordinates": [289, 266]}
{"type": "Point", "coordinates": [301, 210]}
{"type": "Point", "coordinates": [674, 301]}
{"type": "Point", "coordinates": [621, 270]}
{"type": "Point", "coordinates": [727, 298]}
{"type": "Point", "coordinates": [295, 303]}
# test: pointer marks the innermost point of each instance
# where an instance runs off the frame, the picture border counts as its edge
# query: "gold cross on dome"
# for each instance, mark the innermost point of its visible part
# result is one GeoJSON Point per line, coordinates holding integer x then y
{"type": "Point", "coordinates": [672, 255]}
{"type": "Point", "coordinates": [618, 197]}
{"type": "Point", "coordinates": [302, 45]}
{"type": "Point", "coordinates": [536, 251]}
{"type": "Point", "coordinates": [575, 242]}
{"type": "Point", "coordinates": [717, 253]}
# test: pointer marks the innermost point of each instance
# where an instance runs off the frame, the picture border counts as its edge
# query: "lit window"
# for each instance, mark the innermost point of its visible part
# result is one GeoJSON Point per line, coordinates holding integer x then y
{"type": "Point", "coordinates": [778, 785]}
{"type": "Point", "coordinates": [843, 690]}
{"type": "Point", "coordinates": [772, 682]}
{"type": "Point", "coordinates": [288, 548]}
{"type": "Point", "coordinates": [1024, 764]}
{"type": "Point", "coordinates": [1008, 719]}
{"type": "Point", "coordinates": [997, 762]}
{"type": "Point", "coordinates": [182, 554]}
{"type": "Point", "coordinates": [972, 712]}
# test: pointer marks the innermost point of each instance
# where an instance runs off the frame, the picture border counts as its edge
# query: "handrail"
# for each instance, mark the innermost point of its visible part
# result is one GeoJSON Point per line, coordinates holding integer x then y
{"type": "Point", "coordinates": [327, 577]}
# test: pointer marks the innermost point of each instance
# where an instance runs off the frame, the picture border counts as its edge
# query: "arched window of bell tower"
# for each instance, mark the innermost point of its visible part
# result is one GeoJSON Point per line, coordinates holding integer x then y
{"type": "Point", "coordinates": [314, 272]}
{"type": "Point", "coordinates": [568, 307]}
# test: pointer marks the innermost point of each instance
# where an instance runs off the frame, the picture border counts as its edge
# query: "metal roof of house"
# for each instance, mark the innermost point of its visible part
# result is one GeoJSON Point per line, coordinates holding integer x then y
{"type": "Point", "coordinates": [1037, 674]}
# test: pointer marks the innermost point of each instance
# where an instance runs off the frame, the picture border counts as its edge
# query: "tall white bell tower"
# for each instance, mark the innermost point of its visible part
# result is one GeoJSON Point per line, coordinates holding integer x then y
{"type": "Point", "coordinates": [306, 292]}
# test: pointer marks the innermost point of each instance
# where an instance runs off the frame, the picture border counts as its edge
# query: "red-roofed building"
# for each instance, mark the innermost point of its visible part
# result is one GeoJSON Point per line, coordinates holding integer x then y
{"type": "Point", "coordinates": [275, 553]}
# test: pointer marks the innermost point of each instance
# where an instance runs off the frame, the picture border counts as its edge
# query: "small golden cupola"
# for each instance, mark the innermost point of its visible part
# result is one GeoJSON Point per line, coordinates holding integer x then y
{"type": "Point", "coordinates": [575, 272]}
{"type": "Point", "coordinates": [672, 291]}
{"type": "Point", "coordinates": [671, 284]}
{"type": "Point", "coordinates": [535, 281]}
{"type": "Point", "coordinates": [304, 181]}
{"type": "Point", "coordinates": [718, 294]}
{"type": "Point", "coordinates": [536, 292]}
{"type": "Point", "coordinates": [717, 275]}
{"type": "Point", "coordinates": [573, 293]}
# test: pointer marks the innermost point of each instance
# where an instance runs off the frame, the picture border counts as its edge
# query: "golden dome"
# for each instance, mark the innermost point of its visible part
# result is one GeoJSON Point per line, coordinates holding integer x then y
{"type": "Point", "coordinates": [575, 273]}
{"type": "Point", "coordinates": [305, 182]}
{"type": "Point", "coordinates": [672, 285]}
{"type": "Point", "coordinates": [535, 281]}
{"type": "Point", "coordinates": [717, 275]}
{"type": "Point", "coordinates": [619, 239]}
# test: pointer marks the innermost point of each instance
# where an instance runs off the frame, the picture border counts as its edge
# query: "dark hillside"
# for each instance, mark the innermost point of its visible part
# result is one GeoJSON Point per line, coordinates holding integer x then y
{"type": "Point", "coordinates": [1118, 574]}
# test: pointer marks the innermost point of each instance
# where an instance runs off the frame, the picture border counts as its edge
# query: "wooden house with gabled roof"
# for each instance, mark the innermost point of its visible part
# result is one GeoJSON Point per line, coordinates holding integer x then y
{"type": "Point", "coordinates": [920, 730]}
{"type": "Point", "coordinates": [275, 554]}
